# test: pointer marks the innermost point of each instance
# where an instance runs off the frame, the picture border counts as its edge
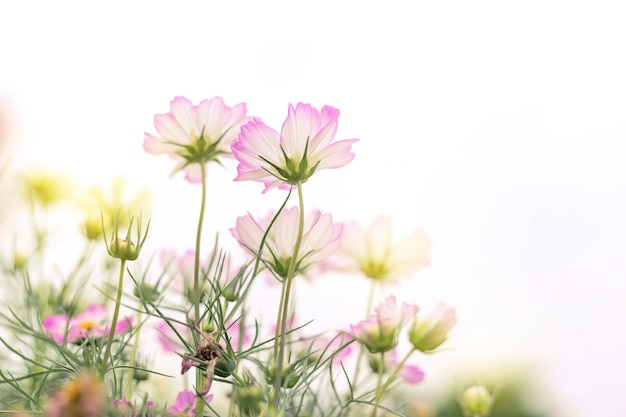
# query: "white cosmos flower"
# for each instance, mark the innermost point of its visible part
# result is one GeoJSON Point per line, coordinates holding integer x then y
{"type": "Point", "coordinates": [373, 253]}
{"type": "Point", "coordinates": [320, 238]}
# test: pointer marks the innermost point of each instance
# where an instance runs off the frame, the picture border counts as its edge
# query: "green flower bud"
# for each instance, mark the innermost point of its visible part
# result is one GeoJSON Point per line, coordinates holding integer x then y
{"type": "Point", "coordinates": [19, 260]}
{"type": "Point", "coordinates": [224, 366]}
{"type": "Point", "coordinates": [93, 225]}
{"type": "Point", "coordinates": [208, 327]}
{"type": "Point", "coordinates": [249, 399]}
{"type": "Point", "coordinates": [140, 375]}
{"type": "Point", "coordinates": [146, 292]}
{"type": "Point", "coordinates": [476, 401]}
{"type": "Point", "coordinates": [123, 249]}
{"type": "Point", "coordinates": [375, 364]}
{"type": "Point", "coordinates": [289, 377]}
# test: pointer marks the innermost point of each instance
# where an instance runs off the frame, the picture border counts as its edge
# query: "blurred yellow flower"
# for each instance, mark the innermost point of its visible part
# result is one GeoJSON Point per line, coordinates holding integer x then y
{"type": "Point", "coordinates": [46, 187]}
{"type": "Point", "coordinates": [103, 205]}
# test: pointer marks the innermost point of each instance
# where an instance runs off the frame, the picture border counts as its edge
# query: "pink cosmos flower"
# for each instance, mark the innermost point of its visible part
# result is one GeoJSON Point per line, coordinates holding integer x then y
{"type": "Point", "coordinates": [127, 409]}
{"type": "Point", "coordinates": [321, 237]}
{"type": "Point", "coordinates": [373, 253]}
{"type": "Point", "coordinates": [196, 134]}
{"type": "Point", "coordinates": [215, 268]}
{"type": "Point", "coordinates": [90, 323]}
{"type": "Point", "coordinates": [379, 333]}
{"type": "Point", "coordinates": [180, 268]}
{"type": "Point", "coordinates": [185, 403]}
{"type": "Point", "coordinates": [428, 332]}
{"type": "Point", "coordinates": [303, 146]}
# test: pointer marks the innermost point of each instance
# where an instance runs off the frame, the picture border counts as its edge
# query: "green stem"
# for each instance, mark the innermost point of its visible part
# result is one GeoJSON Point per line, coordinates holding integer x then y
{"type": "Point", "coordinates": [381, 370]}
{"type": "Point", "coordinates": [283, 309]}
{"type": "Point", "coordinates": [368, 311]}
{"type": "Point", "coordinates": [132, 360]}
{"type": "Point", "coordinates": [196, 290]}
{"type": "Point", "coordinates": [116, 313]}
{"type": "Point", "coordinates": [381, 389]}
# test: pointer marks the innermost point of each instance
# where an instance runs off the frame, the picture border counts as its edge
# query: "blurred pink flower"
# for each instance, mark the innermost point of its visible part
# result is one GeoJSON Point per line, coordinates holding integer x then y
{"type": "Point", "coordinates": [196, 134]}
{"type": "Point", "coordinates": [83, 396]}
{"type": "Point", "coordinates": [411, 374]}
{"type": "Point", "coordinates": [90, 323]}
{"type": "Point", "coordinates": [323, 346]}
{"type": "Point", "coordinates": [379, 333]}
{"type": "Point", "coordinates": [125, 408]}
{"type": "Point", "coordinates": [238, 339]}
{"type": "Point", "coordinates": [373, 253]}
{"type": "Point", "coordinates": [321, 237]}
{"type": "Point", "coordinates": [215, 268]}
{"type": "Point", "coordinates": [292, 156]}
{"type": "Point", "coordinates": [185, 403]}
{"type": "Point", "coordinates": [168, 340]}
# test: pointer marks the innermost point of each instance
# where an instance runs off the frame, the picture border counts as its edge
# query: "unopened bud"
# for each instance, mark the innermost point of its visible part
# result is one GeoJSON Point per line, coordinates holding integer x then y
{"type": "Point", "coordinates": [123, 249]}
{"type": "Point", "coordinates": [224, 366]}
{"type": "Point", "coordinates": [289, 377]}
{"type": "Point", "coordinates": [208, 327]}
{"type": "Point", "coordinates": [146, 292]}
{"type": "Point", "coordinates": [19, 260]}
{"type": "Point", "coordinates": [476, 401]}
{"type": "Point", "coordinates": [93, 225]}
{"type": "Point", "coordinates": [249, 399]}
{"type": "Point", "coordinates": [428, 333]}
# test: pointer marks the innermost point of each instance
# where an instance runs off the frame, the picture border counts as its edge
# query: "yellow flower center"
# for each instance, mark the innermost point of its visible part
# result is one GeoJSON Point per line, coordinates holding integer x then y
{"type": "Point", "coordinates": [375, 270]}
{"type": "Point", "coordinates": [87, 324]}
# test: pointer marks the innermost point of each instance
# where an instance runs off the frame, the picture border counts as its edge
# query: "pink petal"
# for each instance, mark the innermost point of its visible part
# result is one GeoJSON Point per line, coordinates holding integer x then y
{"type": "Point", "coordinates": [56, 326]}
{"type": "Point", "coordinates": [412, 374]}
{"type": "Point", "coordinates": [301, 124]}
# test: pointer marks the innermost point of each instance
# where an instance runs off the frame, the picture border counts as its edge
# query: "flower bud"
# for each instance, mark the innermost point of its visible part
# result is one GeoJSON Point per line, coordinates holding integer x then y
{"type": "Point", "coordinates": [19, 260]}
{"type": "Point", "coordinates": [289, 377]}
{"type": "Point", "coordinates": [146, 292]}
{"type": "Point", "coordinates": [208, 327]}
{"type": "Point", "coordinates": [249, 399]}
{"type": "Point", "coordinates": [476, 401]}
{"type": "Point", "coordinates": [224, 366]}
{"type": "Point", "coordinates": [123, 249]}
{"type": "Point", "coordinates": [230, 292]}
{"type": "Point", "coordinates": [140, 375]}
{"type": "Point", "coordinates": [428, 333]}
{"type": "Point", "coordinates": [93, 225]}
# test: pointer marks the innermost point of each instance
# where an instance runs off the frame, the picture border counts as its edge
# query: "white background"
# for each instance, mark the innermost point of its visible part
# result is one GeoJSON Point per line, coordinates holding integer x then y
{"type": "Point", "coordinates": [497, 126]}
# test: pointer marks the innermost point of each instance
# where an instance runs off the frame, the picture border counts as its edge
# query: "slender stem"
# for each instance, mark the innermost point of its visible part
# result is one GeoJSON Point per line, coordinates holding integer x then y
{"type": "Point", "coordinates": [132, 360]}
{"type": "Point", "coordinates": [116, 313]}
{"type": "Point", "coordinates": [283, 309]}
{"type": "Point", "coordinates": [197, 296]}
{"type": "Point", "coordinates": [381, 370]}
{"type": "Point", "coordinates": [381, 389]}
{"type": "Point", "coordinates": [368, 311]}
{"type": "Point", "coordinates": [196, 266]}
{"type": "Point", "coordinates": [279, 319]}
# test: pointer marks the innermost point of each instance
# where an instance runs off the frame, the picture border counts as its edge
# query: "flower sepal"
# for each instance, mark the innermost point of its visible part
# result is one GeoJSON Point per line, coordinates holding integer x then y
{"type": "Point", "coordinates": [124, 248]}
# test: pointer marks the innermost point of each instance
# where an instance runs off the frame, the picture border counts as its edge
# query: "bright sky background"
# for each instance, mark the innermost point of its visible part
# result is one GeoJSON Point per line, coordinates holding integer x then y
{"type": "Point", "coordinates": [499, 127]}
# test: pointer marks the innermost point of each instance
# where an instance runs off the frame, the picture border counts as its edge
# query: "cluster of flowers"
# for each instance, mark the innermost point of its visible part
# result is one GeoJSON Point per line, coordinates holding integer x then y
{"type": "Point", "coordinates": [211, 332]}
